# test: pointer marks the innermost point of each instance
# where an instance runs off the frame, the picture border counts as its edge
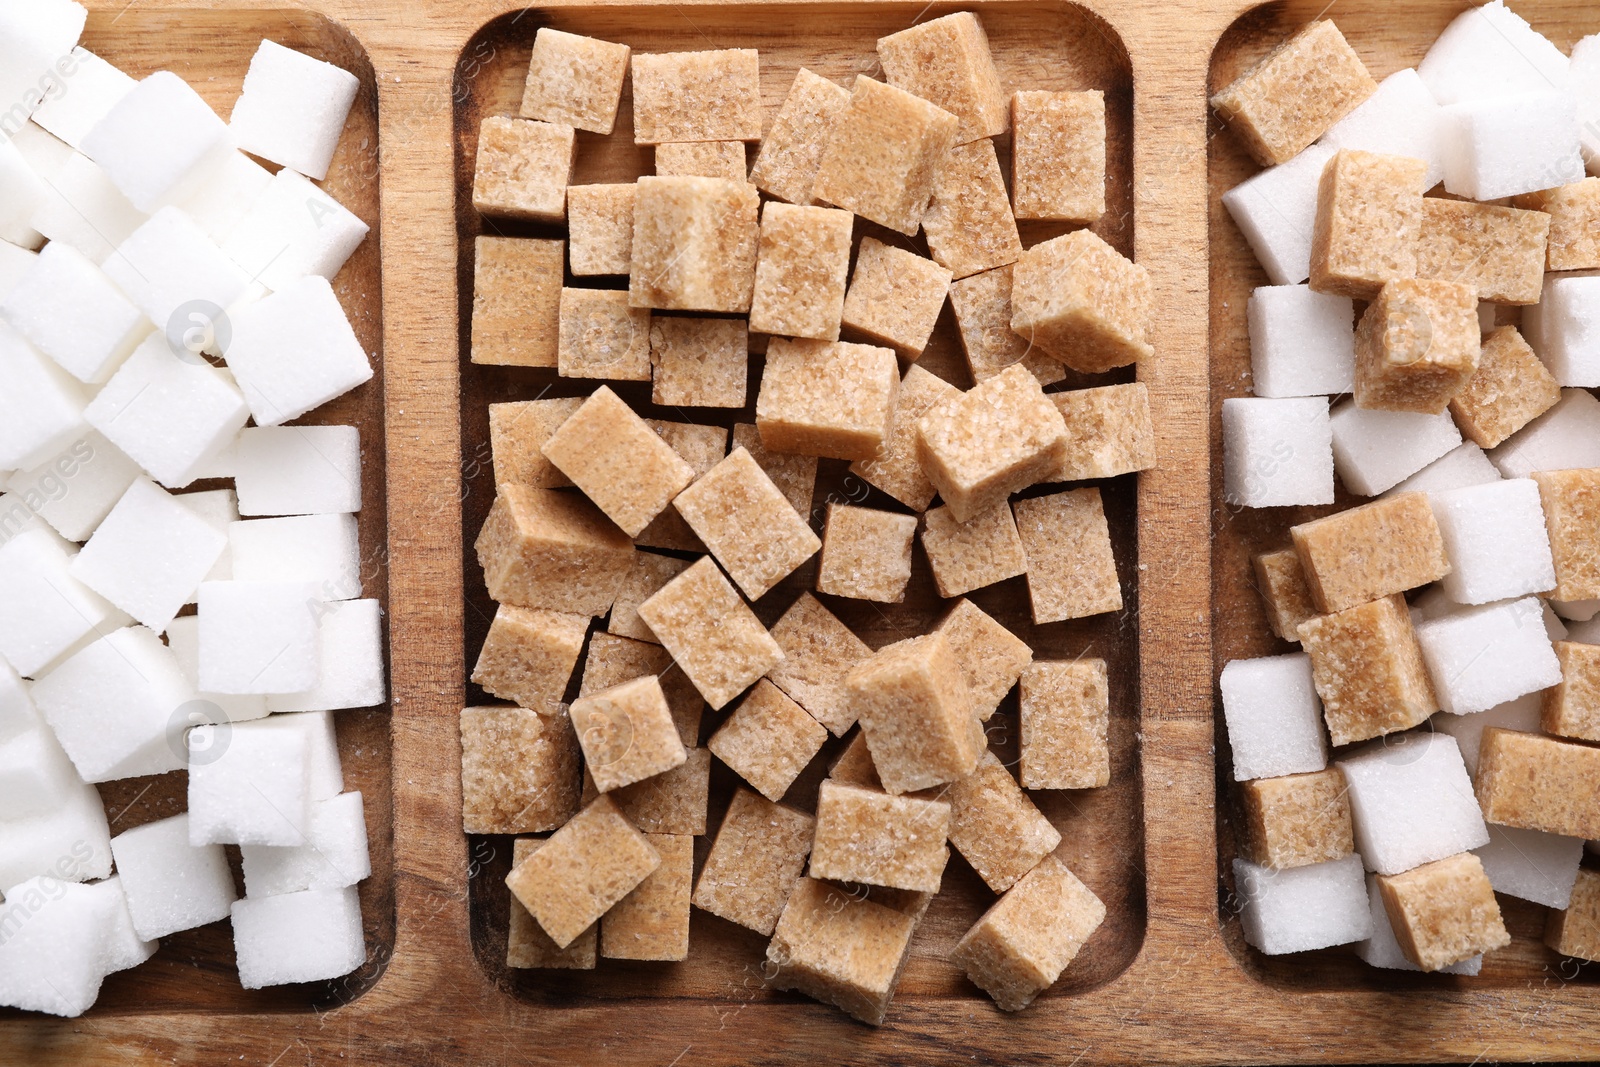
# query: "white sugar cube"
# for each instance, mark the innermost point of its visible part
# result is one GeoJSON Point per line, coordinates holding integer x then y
{"type": "Point", "coordinates": [350, 639]}
{"type": "Point", "coordinates": [124, 948]}
{"type": "Point", "coordinates": [298, 470]}
{"type": "Point", "coordinates": [1505, 146]}
{"type": "Point", "coordinates": [1382, 949]}
{"type": "Point", "coordinates": [41, 406]}
{"type": "Point", "coordinates": [22, 191]}
{"type": "Point", "coordinates": [153, 139]}
{"type": "Point", "coordinates": [173, 271]}
{"type": "Point", "coordinates": [1519, 714]}
{"type": "Point", "coordinates": [1531, 865]}
{"type": "Point", "coordinates": [1274, 717]}
{"type": "Point", "coordinates": [53, 958]}
{"type": "Point", "coordinates": [1577, 611]}
{"type": "Point", "coordinates": [44, 153]}
{"type": "Point", "coordinates": [1563, 438]}
{"type": "Point", "coordinates": [113, 706]}
{"type": "Point", "coordinates": [90, 88]}
{"type": "Point", "coordinates": [34, 38]}
{"type": "Point", "coordinates": [258, 637]}
{"type": "Point", "coordinates": [15, 263]}
{"type": "Point", "coordinates": [310, 936]}
{"type": "Point", "coordinates": [70, 842]}
{"type": "Point", "coordinates": [321, 550]}
{"type": "Point", "coordinates": [86, 210]}
{"type": "Point", "coordinates": [1464, 465]}
{"type": "Point", "coordinates": [172, 885]}
{"type": "Point", "coordinates": [293, 109]}
{"type": "Point", "coordinates": [149, 555]}
{"type": "Point", "coordinates": [1302, 908]}
{"type": "Point", "coordinates": [334, 855]}
{"type": "Point", "coordinates": [325, 771]}
{"type": "Point", "coordinates": [294, 351]}
{"type": "Point", "coordinates": [1411, 801]}
{"type": "Point", "coordinates": [1400, 119]}
{"type": "Point", "coordinates": [44, 610]}
{"type": "Point", "coordinates": [1490, 51]}
{"type": "Point", "coordinates": [16, 516]}
{"type": "Point", "coordinates": [183, 637]}
{"type": "Point", "coordinates": [1301, 343]}
{"type": "Point", "coordinates": [219, 507]}
{"type": "Point", "coordinates": [35, 774]}
{"type": "Point", "coordinates": [1495, 539]}
{"type": "Point", "coordinates": [1374, 450]}
{"type": "Point", "coordinates": [1276, 211]}
{"type": "Point", "coordinates": [1564, 328]}
{"type": "Point", "coordinates": [1484, 656]}
{"type": "Point", "coordinates": [225, 193]}
{"type": "Point", "coordinates": [1583, 82]}
{"type": "Point", "coordinates": [1276, 452]}
{"type": "Point", "coordinates": [169, 410]}
{"type": "Point", "coordinates": [17, 713]}
{"type": "Point", "coordinates": [248, 784]}
{"type": "Point", "coordinates": [294, 229]}
{"type": "Point", "coordinates": [76, 488]}
{"type": "Point", "coordinates": [74, 314]}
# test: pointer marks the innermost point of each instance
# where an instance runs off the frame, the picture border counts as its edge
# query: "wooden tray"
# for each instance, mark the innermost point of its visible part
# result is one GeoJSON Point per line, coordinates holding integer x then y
{"type": "Point", "coordinates": [1167, 981]}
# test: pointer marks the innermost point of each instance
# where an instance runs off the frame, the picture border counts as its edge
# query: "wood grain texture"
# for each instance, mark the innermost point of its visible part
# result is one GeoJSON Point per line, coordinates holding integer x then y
{"type": "Point", "coordinates": [1186, 992]}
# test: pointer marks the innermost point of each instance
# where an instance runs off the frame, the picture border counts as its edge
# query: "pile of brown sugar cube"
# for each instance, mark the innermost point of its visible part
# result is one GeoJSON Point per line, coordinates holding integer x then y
{"type": "Point", "coordinates": [1463, 326]}
{"type": "Point", "coordinates": [659, 532]}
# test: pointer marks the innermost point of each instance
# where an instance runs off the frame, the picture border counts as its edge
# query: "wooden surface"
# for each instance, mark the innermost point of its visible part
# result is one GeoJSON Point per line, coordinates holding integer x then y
{"type": "Point", "coordinates": [1170, 983]}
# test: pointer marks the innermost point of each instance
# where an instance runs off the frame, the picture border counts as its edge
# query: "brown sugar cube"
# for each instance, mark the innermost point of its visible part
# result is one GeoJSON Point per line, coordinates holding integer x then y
{"type": "Point", "coordinates": [697, 96]}
{"type": "Point", "coordinates": [1574, 210]}
{"type": "Point", "coordinates": [516, 301]}
{"type": "Point", "coordinates": [883, 154]}
{"type": "Point", "coordinates": [866, 554]}
{"type": "Point", "coordinates": [1078, 300]}
{"type": "Point", "coordinates": [541, 548]}
{"type": "Point", "coordinates": [786, 166]}
{"type": "Point", "coordinates": [895, 296]}
{"type": "Point", "coordinates": [1538, 783]}
{"type": "Point", "coordinates": [523, 169]}
{"type": "Point", "coordinates": [519, 771]}
{"type": "Point", "coordinates": [827, 398]}
{"type": "Point", "coordinates": [1576, 931]}
{"type": "Point", "coordinates": [618, 461]}
{"type": "Point", "coordinates": [1058, 155]}
{"type": "Point", "coordinates": [896, 470]}
{"type": "Point", "coordinates": [585, 867]}
{"type": "Point", "coordinates": [1065, 720]}
{"type": "Point", "coordinates": [1417, 346]}
{"type": "Point", "coordinates": [914, 706]}
{"type": "Point", "coordinates": [1282, 583]}
{"type": "Point", "coordinates": [747, 524]}
{"type": "Point", "coordinates": [982, 305]}
{"type": "Point", "coordinates": [1367, 668]}
{"type": "Point", "coordinates": [818, 652]}
{"type": "Point", "coordinates": [969, 224]}
{"type": "Point", "coordinates": [1572, 707]}
{"type": "Point", "coordinates": [627, 733]}
{"type": "Point", "coordinates": [1297, 819]}
{"type": "Point", "coordinates": [801, 270]}
{"type": "Point", "coordinates": [877, 839]}
{"type": "Point", "coordinates": [1368, 224]}
{"type": "Point", "coordinates": [1510, 388]}
{"type": "Point", "coordinates": [1369, 552]}
{"type": "Point", "coordinates": [1109, 432]}
{"type": "Point", "coordinates": [600, 228]}
{"type": "Point", "coordinates": [947, 61]}
{"type": "Point", "coordinates": [602, 337]}
{"type": "Point", "coordinates": [996, 827]}
{"type": "Point", "coordinates": [699, 363]}
{"type": "Point", "coordinates": [1019, 947]}
{"type": "Point", "coordinates": [529, 946]}
{"type": "Point", "coordinates": [672, 802]}
{"type": "Point", "coordinates": [517, 433]}
{"type": "Point", "coordinates": [970, 555]}
{"type": "Point", "coordinates": [650, 572]}
{"type": "Point", "coordinates": [702, 447]}
{"type": "Point", "coordinates": [755, 862]}
{"type": "Point", "coordinates": [652, 922]}
{"type": "Point", "coordinates": [1571, 502]}
{"type": "Point", "coordinates": [529, 655]}
{"type": "Point", "coordinates": [990, 657]}
{"type": "Point", "coordinates": [841, 949]}
{"type": "Point", "coordinates": [1071, 571]}
{"type": "Point", "coordinates": [794, 475]}
{"type": "Point", "coordinates": [768, 740]}
{"type": "Point", "coordinates": [1443, 912]}
{"type": "Point", "coordinates": [575, 80]}
{"type": "Point", "coordinates": [1498, 250]}
{"type": "Point", "coordinates": [854, 765]}
{"type": "Point", "coordinates": [711, 633]}
{"type": "Point", "coordinates": [701, 159]}
{"type": "Point", "coordinates": [613, 660]}
{"type": "Point", "coordinates": [1295, 93]}
{"type": "Point", "coordinates": [694, 244]}
{"type": "Point", "coordinates": [999, 437]}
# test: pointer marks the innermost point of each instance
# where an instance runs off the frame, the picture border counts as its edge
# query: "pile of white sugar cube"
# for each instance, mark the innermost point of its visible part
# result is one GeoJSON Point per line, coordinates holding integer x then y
{"type": "Point", "coordinates": [165, 313]}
